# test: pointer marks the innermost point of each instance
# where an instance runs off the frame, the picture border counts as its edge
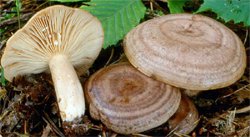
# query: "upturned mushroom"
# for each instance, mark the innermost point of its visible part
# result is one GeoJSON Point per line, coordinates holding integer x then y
{"type": "Point", "coordinates": [127, 101]}
{"type": "Point", "coordinates": [185, 118]}
{"type": "Point", "coordinates": [57, 39]}
{"type": "Point", "coordinates": [189, 51]}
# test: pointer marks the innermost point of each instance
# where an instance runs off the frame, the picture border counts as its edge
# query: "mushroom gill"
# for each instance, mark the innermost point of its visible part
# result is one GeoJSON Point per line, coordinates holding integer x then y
{"type": "Point", "coordinates": [59, 39]}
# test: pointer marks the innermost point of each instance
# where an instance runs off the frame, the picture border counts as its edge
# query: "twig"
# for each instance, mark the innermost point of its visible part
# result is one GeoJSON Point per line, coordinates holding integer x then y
{"type": "Point", "coordinates": [4, 114]}
{"type": "Point", "coordinates": [122, 58]}
{"type": "Point", "coordinates": [173, 131]}
{"type": "Point", "coordinates": [244, 131]}
{"type": "Point", "coordinates": [141, 135]}
{"type": "Point", "coordinates": [113, 135]}
{"type": "Point", "coordinates": [97, 128]}
{"type": "Point", "coordinates": [159, 7]}
{"type": "Point", "coordinates": [10, 107]}
{"type": "Point", "coordinates": [13, 20]}
{"type": "Point", "coordinates": [243, 110]}
{"type": "Point", "coordinates": [46, 131]}
{"type": "Point", "coordinates": [18, 7]}
{"type": "Point", "coordinates": [25, 127]}
{"type": "Point", "coordinates": [104, 134]}
{"type": "Point", "coordinates": [181, 135]}
{"type": "Point", "coordinates": [54, 127]}
{"type": "Point", "coordinates": [234, 91]}
{"type": "Point", "coordinates": [245, 40]}
{"type": "Point", "coordinates": [20, 135]}
{"type": "Point", "coordinates": [151, 5]}
{"type": "Point", "coordinates": [2, 43]}
{"type": "Point", "coordinates": [110, 57]}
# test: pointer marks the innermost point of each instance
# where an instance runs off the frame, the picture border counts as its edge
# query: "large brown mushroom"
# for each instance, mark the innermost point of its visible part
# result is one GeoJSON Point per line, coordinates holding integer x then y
{"type": "Point", "coordinates": [187, 50]}
{"type": "Point", "coordinates": [127, 101]}
{"type": "Point", "coordinates": [58, 39]}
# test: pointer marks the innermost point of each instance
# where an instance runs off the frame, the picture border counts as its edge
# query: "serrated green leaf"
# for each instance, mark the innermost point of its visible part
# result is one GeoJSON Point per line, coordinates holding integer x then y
{"type": "Point", "coordinates": [236, 10]}
{"type": "Point", "coordinates": [118, 17]}
{"type": "Point", "coordinates": [176, 6]}
{"type": "Point", "coordinates": [68, 0]}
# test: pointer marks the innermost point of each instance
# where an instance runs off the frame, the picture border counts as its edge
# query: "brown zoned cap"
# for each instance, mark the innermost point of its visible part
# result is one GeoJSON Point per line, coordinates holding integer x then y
{"type": "Point", "coordinates": [56, 29]}
{"type": "Point", "coordinates": [188, 51]}
{"type": "Point", "coordinates": [127, 101]}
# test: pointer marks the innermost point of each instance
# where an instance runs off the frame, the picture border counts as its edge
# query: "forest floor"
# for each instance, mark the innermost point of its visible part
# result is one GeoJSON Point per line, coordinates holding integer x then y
{"type": "Point", "coordinates": [28, 105]}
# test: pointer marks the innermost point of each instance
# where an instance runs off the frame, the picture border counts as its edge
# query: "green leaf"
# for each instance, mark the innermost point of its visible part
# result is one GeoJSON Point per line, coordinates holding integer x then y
{"type": "Point", "coordinates": [176, 6]}
{"type": "Point", "coordinates": [236, 10]}
{"type": "Point", "coordinates": [118, 17]}
{"type": "Point", "coordinates": [68, 0]}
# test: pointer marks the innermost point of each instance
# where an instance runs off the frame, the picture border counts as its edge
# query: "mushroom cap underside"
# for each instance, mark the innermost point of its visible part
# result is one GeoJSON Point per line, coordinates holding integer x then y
{"type": "Point", "coordinates": [186, 50]}
{"type": "Point", "coordinates": [58, 29]}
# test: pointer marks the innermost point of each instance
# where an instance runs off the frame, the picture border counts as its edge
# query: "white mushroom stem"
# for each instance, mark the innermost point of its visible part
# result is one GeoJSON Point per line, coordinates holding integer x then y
{"type": "Point", "coordinates": [68, 89]}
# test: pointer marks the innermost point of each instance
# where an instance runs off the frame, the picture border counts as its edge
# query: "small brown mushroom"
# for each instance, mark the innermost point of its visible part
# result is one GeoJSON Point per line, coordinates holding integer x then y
{"type": "Point", "coordinates": [186, 117]}
{"type": "Point", "coordinates": [127, 101]}
{"type": "Point", "coordinates": [58, 39]}
{"type": "Point", "coordinates": [187, 50]}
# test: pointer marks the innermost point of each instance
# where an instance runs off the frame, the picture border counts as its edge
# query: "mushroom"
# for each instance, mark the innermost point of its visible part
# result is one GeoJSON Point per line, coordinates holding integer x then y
{"type": "Point", "coordinates": [127, 101]}
{"type": "Point", "coordinates": [186, 50]}
{"type": "Point", "coordinates": [185, 118]}
{"type": "Point", "coordinates": [58, 39]}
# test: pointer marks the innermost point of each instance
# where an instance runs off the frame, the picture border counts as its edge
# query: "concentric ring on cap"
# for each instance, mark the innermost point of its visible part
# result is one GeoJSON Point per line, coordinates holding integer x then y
{"type": "Point", "coordinates": [188, 51]}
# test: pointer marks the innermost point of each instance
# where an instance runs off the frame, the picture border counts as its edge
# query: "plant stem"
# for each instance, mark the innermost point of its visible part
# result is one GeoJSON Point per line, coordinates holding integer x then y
{"type": "Point", "coordinates": [18, 7]}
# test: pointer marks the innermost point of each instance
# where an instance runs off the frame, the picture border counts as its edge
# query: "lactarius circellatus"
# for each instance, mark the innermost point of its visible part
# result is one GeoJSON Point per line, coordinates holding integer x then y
{"type": "Point", "coordinates": [186, 50]}
{"type": "Point", "coordinates": [185, 118]}
{"type": "Point", "coordinates": [127, 101]}
{"type": "Point", "coordinates": [58, 39]}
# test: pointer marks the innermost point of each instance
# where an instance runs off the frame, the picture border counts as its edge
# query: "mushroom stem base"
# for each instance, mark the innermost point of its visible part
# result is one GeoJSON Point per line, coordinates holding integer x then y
{"type": "Point", "coordinates": [68, 88]}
